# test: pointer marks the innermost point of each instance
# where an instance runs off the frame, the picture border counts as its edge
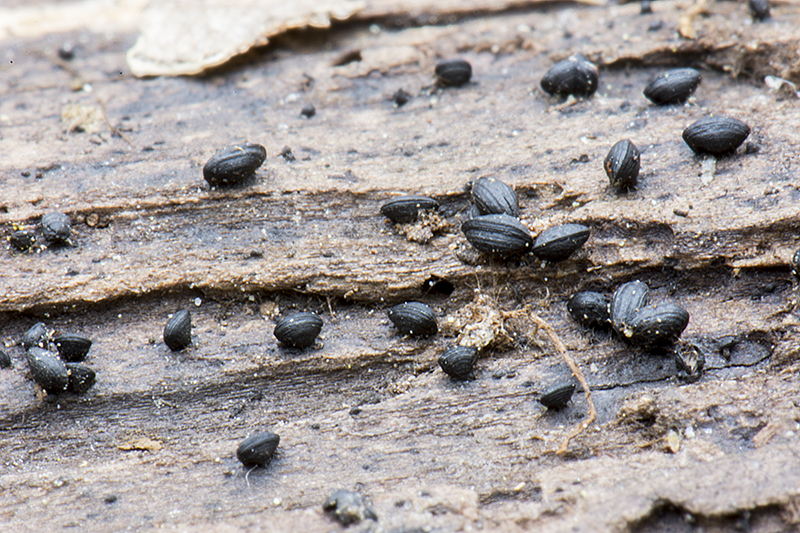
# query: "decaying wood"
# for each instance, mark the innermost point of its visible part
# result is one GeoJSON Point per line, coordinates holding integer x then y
{"type": "Point", "coordinates": [152, 444]}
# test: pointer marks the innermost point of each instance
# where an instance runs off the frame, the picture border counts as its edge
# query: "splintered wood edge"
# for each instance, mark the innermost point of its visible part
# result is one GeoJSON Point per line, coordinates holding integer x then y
{"type": "Point", "coordinates": [143, 63]}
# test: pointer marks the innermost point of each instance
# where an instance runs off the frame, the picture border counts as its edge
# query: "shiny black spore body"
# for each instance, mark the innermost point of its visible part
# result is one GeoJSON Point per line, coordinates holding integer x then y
{"type": "Point", "coordinates": [716, 135]}
{"type": "Point", "coordinates": [414, 318]}
{"type": "Point", "coordinates": [47, 370]}
{"type": "Point", "coordinates": [557, 243]}
{"type": "Point", "coordinates": [674, 86]}
{"type": "Point", "coordinates": [453, 72]}
{"type": "Point", "coordinates": [590, 309]}
{"type": "Point", "coordinates": [258, 449]}
{"type": "Point", "coordinates": [558, 396]}
{"type": "Point", "coordinates": [458, 361]}
{"type": "Point", "coordinates": [657, 324]}
{"type": "Point", "coordinates": [500, 235]}
{"type": "Point", "coordinates": [72, 348]}
{"type": "Point", "coordinates": [298, 330]}
{"type": "Point", "coordinates": [627, 300]}
{"type": "Point", "coordinates": [406, 209]}
{"type": "Point", "coordinates": [234, 164]}
{"type": "Point", "coordinates": [575, 76]}
{"type": "Point", "coordinates": [493, 196]}
{"type": "Point", "coordinates": [178, 331]}
{"type": "Point", "coordinates": [622, 165]}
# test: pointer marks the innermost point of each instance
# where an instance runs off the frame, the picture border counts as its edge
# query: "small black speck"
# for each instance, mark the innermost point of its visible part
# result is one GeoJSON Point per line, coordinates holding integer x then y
{"type": "Point", "coordinates": [111, 498]}
{"type": "Point", "coordinates": [315, 426]}
{"type": "Point", "coordinates": [401, 98]}
{"type": "Point", "coordinates": [26, 174]}
{"type": "Point", "coordinates": [655, 25]}
{"type": "Point", "coordinates": [256, 254]}
{"type": "Point", "coordinates": [73, 272]}
{"type": "Point", "coordinates": [327, 253]}
{"type": "Point", "coordinates": [354, 411]}
{"type": "Point", "coordinates": [308, 111]}
{"type": "Point", "coordinates": [286, 153]}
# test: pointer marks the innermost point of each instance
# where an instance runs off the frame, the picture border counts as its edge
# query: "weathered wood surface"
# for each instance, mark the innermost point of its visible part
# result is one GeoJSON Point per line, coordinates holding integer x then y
{"type": "Point", "coordinates": [431, 454]}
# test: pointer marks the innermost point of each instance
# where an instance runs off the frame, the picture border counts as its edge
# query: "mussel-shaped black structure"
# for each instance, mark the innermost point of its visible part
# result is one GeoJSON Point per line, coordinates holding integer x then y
{"type": "Point", "coordinates": [258, 449]}
{"type": "Point", "coordinates": [5, 360]}
{"type": "Point", "coordinates": [47, 370]}
{"type": "Point", "coordinates": [716, 135]}
{"type": "Point", "coordinates": [558, 396]}
{"type": "Point", "coordinates": [414, 318]}
{"type": "Point", "coordinates": [759, 9]}
{"type": "Point", "coordinates": [492, 196]}
{"type": "Point", "coordinates": [22, 239]}
{"type": "Point", "coordinates": [590, 309]}
{"type": "Point", "coordinates": [308, 111]}
{"type": "Point", "coordinates": [234, 164]}
{"type": "Point", "coordinates": [178, 331]}
{"type": "Point", "coordinates": [673, 86]}
{"type": "Point", "coordinates": [657, 324]}
{"type": "Point", "coordinates": [56, 228]}
{"type": "Point", "coordinates": [81, 378]}
{"type": "Point", "coordinates": [405, 209]}
{"type": "Point", "coordinates": [796, 264]}
{"type": "Point", "coordinates": [457, 361]}
{"type": "Point", "coordinates": [557, 243]}
{"type": "Point", "coordinates": [453, 72]}
{"type": "Point", "coordinates": [72, 348]}
{"type": "Point", "coordinates": [627, 300]}
{"type": "Point", "coordinates": [574, 75]}
{"type": "Point", "coordinates": [298, 330]}
{"type": "Point", "coordinates": [622, 165]}
{"type": "Point", "coordinates": [348, 507]}
{"type": "Point", "coordinates": [500, 235]}
{"type": "Point", "coordinates": [36, 336]}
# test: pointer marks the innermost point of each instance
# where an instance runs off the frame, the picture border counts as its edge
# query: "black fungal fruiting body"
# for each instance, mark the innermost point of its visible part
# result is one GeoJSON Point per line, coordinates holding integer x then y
{"type": "Point", "coordinates": [178, 331]}
{"type": "Point", "coordinates": [298, 330]}
{"type": "Point", "coordinates": [590, 309]}
{"type": "Point", "coordinates": [716, 135]}
{"type": "Point", "coordinates": [453, 72]}
{"type": "Point", "coordinates": [348, 507]}
{"type": "Point", "coordinates": [796, 264]}
{"type": "Point", "coordinates": [405, 209]}
{"type": "Point", "coordinates": [657, 324]}
{"type": "Point", "coordinates": [308, 111]}
{"type": "Point", "coordinates": [492, 196]}
{"type": "Point", "coordinates": [673, 87]}
{"type": "Point", "coordinates": [575, 76]}
{"type": "Point", "coordinates": [22, 239]}
{"type": "Point", "coordinates": [72, 348]}
{"type": "Point", "coordinates": [500, 235]}
{"type": "Point", "coordinates": [47, 370]}
{"type": "Point", "coordinates": [557, 396]}
{"type": "Point", "coordinates": [457, 361]}
{"type": "Point", "coordinates": [557, 243]}
{"type": "Point", "coordinates": [81, 378]}
{"type": "Point", "coordinates": [5, 360]}
{"type": "Point", "coordinates": [258, 449]}
{"type": "Point", "coordinates": [234, 164]}
{"type": "Point", "coordinates": [56, 228]}
{"type": "Point", "coordinates": [622, 165]}
{"type": "Point", "coordinates": [36, 336]}
{"type": "Point", "coordinates": [627, 300]}
{"type": "Point", "coordinates": [400, 98]}
{"type": "Point", "coordinates": [759, 9]}
{"type": "Point", "coordinates": [414, 318]}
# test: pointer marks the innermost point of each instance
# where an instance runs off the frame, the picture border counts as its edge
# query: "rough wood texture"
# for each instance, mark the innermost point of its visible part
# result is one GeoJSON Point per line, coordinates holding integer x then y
{"type": "Point", "coordinates": [152, 445]}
